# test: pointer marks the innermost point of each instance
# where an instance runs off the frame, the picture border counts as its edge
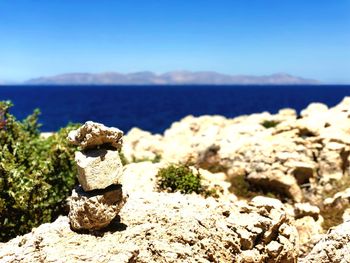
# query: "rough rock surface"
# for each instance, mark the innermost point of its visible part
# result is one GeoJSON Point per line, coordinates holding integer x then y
{"type": "Point", "coordinates": [142, 145]}
{"type": "Point", "coordinates": [96, 209]}
{"type": "Point", "coordinates": [334, 247]}
{"type": "Point", "coordinates": [98, 168]}
{"type": "Point", "coordinates": [299, 158]}
{"type": "Point", "coordinates": [305, 209]}
{"type": "Point", "coordinates": [93, 134]}
{"type": "Point", "coordinates": [161, 227]}
{"type": "Point", "coordinates": [310, 232]}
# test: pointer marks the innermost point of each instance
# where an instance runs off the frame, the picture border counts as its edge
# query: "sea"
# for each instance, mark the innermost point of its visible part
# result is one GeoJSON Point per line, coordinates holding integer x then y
{"type": "Point", "coordinates": [155, 108]}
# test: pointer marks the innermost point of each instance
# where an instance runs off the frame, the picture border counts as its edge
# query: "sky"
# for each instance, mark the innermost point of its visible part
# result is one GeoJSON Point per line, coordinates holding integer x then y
{"type": "Point", "coordinates": [308, 38]}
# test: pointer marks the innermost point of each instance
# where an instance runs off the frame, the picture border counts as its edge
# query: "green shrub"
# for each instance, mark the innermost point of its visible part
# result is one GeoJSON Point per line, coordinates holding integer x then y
{"type": "Point", "coordinates": [156, 159]}
{"type": "Point", "coordinates": [180, 178]}
{"type": "Point", "coordinates": [270, 124]}
{"type": "Point", "coordinates": [36, 174]}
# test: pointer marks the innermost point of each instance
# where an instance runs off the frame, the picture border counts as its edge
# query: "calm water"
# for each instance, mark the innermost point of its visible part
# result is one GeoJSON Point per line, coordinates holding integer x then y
{"type": "Point", "coordinates": [154, 108]}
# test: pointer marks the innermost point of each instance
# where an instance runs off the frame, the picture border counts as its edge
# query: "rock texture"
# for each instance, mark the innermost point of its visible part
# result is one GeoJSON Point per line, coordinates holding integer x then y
{"type": "Point", "coordinates": [334, 247]}
{"type": "Point", "coordinates": [95, 210]}
{"type": "Point", "coordinates": [93, 134]}
{"type": "Point", "coordinates": [299, 157]}
{"type": "Point", "coordinates": [98, 168]}
{"type": "Point", "coordinates": [161, 227]}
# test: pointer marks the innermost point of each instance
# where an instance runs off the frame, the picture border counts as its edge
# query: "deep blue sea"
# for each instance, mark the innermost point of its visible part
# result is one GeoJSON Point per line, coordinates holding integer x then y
{"type": "Point", "coordinates": [154, 108]}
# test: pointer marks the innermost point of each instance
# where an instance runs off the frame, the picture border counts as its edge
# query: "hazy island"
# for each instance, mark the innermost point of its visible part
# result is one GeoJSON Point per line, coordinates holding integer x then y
{"type": "Point", "coordinates": [169, 78]}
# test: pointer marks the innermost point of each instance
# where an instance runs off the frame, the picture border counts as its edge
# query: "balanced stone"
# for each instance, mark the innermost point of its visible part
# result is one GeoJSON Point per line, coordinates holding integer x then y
{"type": "Point", "coordinates": [95, 210]}
{"type": "Point", "coordinates": [98, 168]}
{"type": "Point", "coordinates": [92, 135]}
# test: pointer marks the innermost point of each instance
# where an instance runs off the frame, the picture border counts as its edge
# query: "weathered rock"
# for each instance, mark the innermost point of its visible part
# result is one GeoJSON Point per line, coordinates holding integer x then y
{"type": "Point", "coordinates": [306, 209]}
{"type": "Point", "coordinates": [140, 177]}
{"type": "Point", "coordinates": [310, 232]}
{"type": "Point", "coordinates": [94, 210]}
{"type": "Point", "coordinates": [93, 134]}
{"type": "Point", "coordinates": [263, 201]}
{"type": "Point", "coordinates": [314, 149]}
{"type": "Point", "coordinates": [333, 161]}
{"type": "Point", "coordinates": [339, 201]}
{"type": "Point", "coordinates": [346, 215]}
{"type": "Point", "coordinates": [277, 181]}
{"type": "Point", "coordinates": [162, 227]}
{"type": "Point", "coordinates": [333, 247]}
{"type": "Point", "coordinates": [98, 169]}
{"type": "Point", "coordinates": [314, 109]}
{"type": "Point", "coordinates": [141, 145]}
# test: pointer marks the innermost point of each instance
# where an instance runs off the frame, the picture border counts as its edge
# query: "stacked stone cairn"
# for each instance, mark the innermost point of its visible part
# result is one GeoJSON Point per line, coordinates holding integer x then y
{"type": "Point", "coordinates": [99, 197]}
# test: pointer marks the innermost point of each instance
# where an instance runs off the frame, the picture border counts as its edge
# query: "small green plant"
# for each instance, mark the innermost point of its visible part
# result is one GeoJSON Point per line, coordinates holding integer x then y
{"type": "Point", "coordinates": [157, 158]}
{"type": "Point", "coordinates": [36, 174]}
{"type": "Point", "coordinates": [180, 178]}
{"type": "Point", "coordinates": [270, 123]}
{"type": "Point", "coordinates": [123, 158]}
{"type": "Point", "coordinates": [240, 187]}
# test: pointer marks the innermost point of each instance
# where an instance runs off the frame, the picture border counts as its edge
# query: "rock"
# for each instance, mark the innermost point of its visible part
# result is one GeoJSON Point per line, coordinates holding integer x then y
{"type": "Point", "coordinates": [346, 215]}
{"type": "Point", "coordinates": [98, 169]}
{"type": "Point", "coordinates": [333, 161]}
{"type": "Point", "coordinates": [333, 247]}
{"type": "Point", "coordinates": [217, 182]}
{"type": "Point", "coordinates": [314, 109]}
{"type": "Point", "coordinates": [339, 201]}
{"type": "Point", "coordinates": [93, 134]}
{"type": "Point", "coordinates": [310, 232]}
{"type": "Point", "coordinates": [195, 135]}
{"type": "Point", "coordinates": [163, 227]}
{"type": "Point", "coordinates": [306, 209]}
{"type": "Point", "coordinates": [141, 145]}
{"type": "Point", "coordinates": [140, 177]}
{"type": "Point", "coordinates": [262, 201]}
{"type": "Point", "coordinates": [302, 171]}
{"type": "Point", "coordinates": [277, 181]}
{"type": "Point", "coordinates": [94, 210]}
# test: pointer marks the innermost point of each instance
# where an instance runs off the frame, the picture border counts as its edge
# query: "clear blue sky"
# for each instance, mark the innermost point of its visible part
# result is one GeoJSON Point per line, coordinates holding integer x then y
{"type": "Point", "coordinates": [309, 38]}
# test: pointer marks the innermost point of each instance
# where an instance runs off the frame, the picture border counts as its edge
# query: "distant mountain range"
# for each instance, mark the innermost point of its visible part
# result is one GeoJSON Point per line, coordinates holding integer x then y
{"type": "Point", "coordinates": [169, 78]}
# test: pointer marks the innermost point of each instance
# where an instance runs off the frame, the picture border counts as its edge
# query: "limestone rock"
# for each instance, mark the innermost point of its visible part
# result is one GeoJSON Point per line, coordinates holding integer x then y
{"type": "Point", "coordinates": [306, 209]}
{"type": "Point", "coordinates": [333, 247]}
{"type": "Point", "coordinates": [339, 201]}
{"type": "Point", "coordinates": [277, 181]}
{"type": "Point", "coordinates": [98, 169]}
{"type": "Point", "coordinates": [163, 227]}
{"type": "Point", "coordinates": [93, 134]}
{"type": "Point", "coordinates": [140, 177]}
{"type": "Point", "coordinates": [141, 145]}
{"type": "Point", "coordinates": [262, 201]}
{"type": "Point", "coordinates": [314, 109]}
{"type": "Point", "coordinates": [333, 161]}
{"type": "Point", "coordinates": [310, 232]}
{"type": "Point", "coordinates": [95, 210]}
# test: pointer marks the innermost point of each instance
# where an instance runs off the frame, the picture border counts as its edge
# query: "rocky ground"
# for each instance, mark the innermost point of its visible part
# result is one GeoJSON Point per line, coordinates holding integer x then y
{"type": "Point", "coordinates": [283, 195]}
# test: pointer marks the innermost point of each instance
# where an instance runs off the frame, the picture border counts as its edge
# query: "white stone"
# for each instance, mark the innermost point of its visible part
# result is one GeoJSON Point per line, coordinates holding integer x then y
{"type": "Point", "coordinates": [94, 210]}
{"type": "Point", "coordinates": [93, 134]}
{"type": "Point", "coordinates": [98, 169]}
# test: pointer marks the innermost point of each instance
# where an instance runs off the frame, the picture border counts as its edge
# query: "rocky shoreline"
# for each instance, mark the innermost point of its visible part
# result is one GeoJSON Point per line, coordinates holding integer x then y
{"type": "Point", "coordinates": [283, 191]}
